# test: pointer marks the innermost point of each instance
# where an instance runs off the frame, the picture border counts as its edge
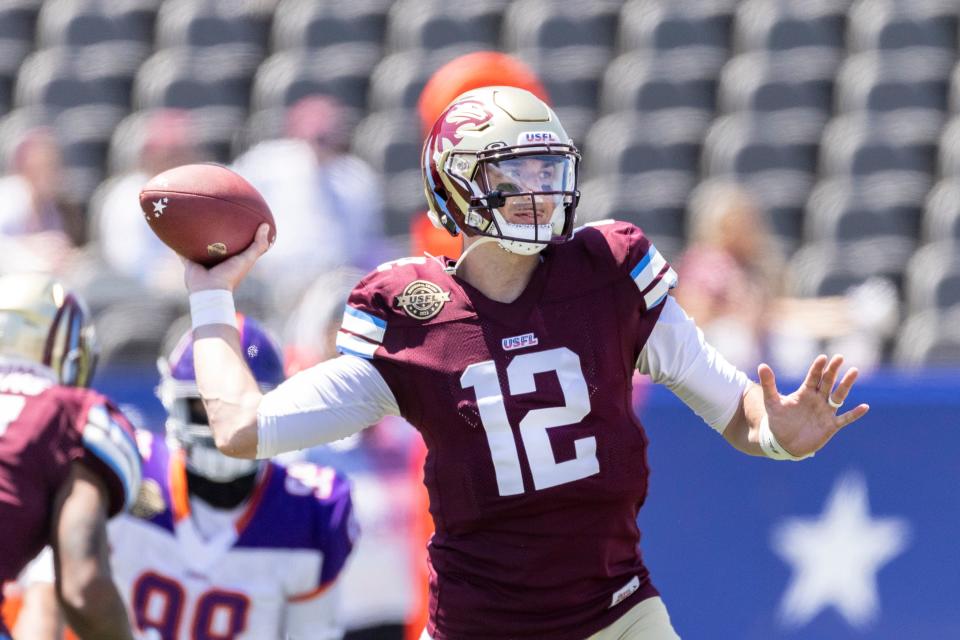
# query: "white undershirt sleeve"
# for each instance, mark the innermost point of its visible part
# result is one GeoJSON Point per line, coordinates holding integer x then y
{"type": "Point", "coordinates": [329, 401]}
{"type": "Point", "coordinates": [677, 356]}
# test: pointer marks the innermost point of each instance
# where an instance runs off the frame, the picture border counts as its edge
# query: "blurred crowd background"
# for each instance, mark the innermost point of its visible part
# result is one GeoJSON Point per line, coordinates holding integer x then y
{"type": "Point", "coordinates": [798, 160]}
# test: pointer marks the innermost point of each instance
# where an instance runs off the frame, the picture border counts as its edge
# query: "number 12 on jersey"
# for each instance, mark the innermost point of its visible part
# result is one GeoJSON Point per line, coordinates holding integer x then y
{"type": "Point", "coordinates": [544, 468]}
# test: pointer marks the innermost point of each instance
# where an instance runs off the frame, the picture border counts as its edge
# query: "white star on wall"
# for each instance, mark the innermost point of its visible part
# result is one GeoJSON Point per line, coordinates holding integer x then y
{"type": "Point", "coordinates": [835, 558]}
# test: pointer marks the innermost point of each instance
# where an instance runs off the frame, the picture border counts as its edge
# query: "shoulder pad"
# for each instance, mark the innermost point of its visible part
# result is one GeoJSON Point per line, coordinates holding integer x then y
{"type": "Point", "coordinates": [109, 437]}
{"type": "Point", "coordinates": [633, 254]}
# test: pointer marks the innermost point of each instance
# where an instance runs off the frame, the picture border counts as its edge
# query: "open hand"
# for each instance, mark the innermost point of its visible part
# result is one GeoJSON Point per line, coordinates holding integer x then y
{"type": "Point", "coordinates": [229, 273]}
{"type": "Point", "coordinates": [805, 420]}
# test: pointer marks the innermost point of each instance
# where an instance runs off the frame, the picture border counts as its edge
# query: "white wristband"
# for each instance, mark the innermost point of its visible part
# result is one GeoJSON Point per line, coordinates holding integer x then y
{"type": "Point", "coordinates": [212, 306]}
{"type": "Point", "coordinates": [771, 448]}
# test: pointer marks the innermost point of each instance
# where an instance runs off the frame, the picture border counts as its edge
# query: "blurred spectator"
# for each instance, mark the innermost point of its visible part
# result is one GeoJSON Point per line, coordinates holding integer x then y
{"type": "Point", "coordinates": [35, 226]}
{"type": "Point", "coordinates": [384, 583]}
{"type": "Point", "coordinates": [125, 242]}
{"type": "Point", "coordinates": [466, 72]}
{"type": "Point", "coordinates": [327, 203]}
{"type": "Point", "coordinates": [732, 284]}
{"type": "Point", "coordinates": [730, 272]}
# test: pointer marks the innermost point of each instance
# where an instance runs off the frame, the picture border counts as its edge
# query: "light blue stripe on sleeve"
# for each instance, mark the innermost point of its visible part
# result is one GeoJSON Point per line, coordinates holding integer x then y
{"type": "Point", "coordinates": [351, 345]}
{"type": "Point", "coordinates": [364, 324]}
{"type": "Point", "coordinates": [648, 269]}
{"type": "Point", "coordinates": [657, 294]}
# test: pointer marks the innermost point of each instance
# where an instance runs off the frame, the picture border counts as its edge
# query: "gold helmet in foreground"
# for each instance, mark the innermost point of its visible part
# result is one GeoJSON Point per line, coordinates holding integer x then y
{"type": "Point", "coordinates": [43, 323]}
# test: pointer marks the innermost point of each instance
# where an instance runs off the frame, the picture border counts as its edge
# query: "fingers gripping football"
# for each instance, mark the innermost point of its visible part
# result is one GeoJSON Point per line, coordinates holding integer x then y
{"type": "Point", "coordinates": [806, 419]}
{"type": "Point", "coordinates": [229, 273]}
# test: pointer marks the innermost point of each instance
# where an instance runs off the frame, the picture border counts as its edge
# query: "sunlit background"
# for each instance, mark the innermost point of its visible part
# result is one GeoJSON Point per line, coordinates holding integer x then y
{"type": "Point", "coordinates": [797, 160]}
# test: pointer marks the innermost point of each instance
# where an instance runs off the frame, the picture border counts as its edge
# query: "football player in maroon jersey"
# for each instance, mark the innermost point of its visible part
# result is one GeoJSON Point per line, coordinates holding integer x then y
{"type": "Point", "coordinates": [515, 364]}
{"type": "Point", "coordinates": [68, 460]}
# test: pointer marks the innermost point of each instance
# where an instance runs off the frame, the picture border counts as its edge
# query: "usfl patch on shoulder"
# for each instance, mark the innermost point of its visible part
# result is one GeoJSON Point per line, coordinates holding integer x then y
{"type": "Point", "coordinates": [422, 299]}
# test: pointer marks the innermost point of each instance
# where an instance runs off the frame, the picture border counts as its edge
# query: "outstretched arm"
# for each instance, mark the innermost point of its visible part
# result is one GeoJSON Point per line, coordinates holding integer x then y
{"type": "Point", "coordinates": [802, 422]}
{"type": "Point", "coordinates": [90, 599]}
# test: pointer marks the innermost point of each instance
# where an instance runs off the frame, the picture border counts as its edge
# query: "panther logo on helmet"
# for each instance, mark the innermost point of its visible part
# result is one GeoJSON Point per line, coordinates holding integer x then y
{"type": "Point", "coordinates": [465, 115]}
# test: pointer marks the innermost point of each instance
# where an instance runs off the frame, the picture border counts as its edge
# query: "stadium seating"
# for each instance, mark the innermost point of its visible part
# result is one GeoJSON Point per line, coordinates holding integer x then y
{"type": "Point", "coordinates": [929, 338]}
{"type": "Point", "coordinates": [932, 279]}
{"type": "Point", "coordinates": [700, 30]}
{"type": "Point", "coordinates": [774, 156]}
{"type": "Point", "coordinates": [390, 142]}
{"type": "Point", "coordinates": [556, 25]}
{"type": "Point", "coordinates": [339, 70]}
{"type": "Point", "coordinates": [78, 23]}
{"type": "Point", "coordinates": [435, 24]}
{"type": "Point", "coordinates": [782, 25]}
{"type": "Point", "coordinates": [644, 83]}
{"type": "Point", "coordinates": [208, 23]}
{"type": "Point", "coordinates": [800, 82]}
{"type": "Point", "coordinates": [841, 116]}
{"type": "Point", "coordinates": [17, 25]}
{"type": "Point", "coordinates": [941, 217]}
{"type": "Point", "coordinates": [309, 24]}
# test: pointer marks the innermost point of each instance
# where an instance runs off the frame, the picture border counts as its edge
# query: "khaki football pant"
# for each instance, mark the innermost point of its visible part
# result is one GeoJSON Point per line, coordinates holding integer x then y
{"type": "Point", "coordinates": [647, 620]}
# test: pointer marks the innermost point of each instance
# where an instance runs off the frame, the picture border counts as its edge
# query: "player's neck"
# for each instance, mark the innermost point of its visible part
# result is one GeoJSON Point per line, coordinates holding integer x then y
{"type": "Point", "coordinates": [498, 274]}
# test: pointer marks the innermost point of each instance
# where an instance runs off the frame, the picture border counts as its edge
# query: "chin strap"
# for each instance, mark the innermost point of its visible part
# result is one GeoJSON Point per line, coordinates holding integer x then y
{"type": "Point", "coordinates": [483, 240]}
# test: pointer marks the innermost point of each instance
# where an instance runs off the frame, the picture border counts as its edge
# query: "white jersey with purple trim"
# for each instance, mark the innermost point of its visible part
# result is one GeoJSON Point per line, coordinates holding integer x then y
{"type": "Point", "coordinates": [264, 571]}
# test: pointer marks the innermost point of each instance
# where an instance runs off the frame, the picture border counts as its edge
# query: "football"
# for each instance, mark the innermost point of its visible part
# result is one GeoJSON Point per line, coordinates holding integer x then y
{"type": "Point", "coordinates": [204, 212]}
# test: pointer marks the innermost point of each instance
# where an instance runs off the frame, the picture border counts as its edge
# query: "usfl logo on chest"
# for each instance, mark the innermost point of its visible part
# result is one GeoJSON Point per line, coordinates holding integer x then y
{"type": "Point", "coordinates": [519, 342]}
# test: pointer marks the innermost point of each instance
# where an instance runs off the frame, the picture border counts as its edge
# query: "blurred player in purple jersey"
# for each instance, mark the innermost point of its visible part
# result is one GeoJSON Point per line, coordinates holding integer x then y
{"type": "Point", "coordinates": [222, 547]}
{"type": "Point", "coordinates": [68, 459]}
{"type": "Point", "coordinates": [515, 364]}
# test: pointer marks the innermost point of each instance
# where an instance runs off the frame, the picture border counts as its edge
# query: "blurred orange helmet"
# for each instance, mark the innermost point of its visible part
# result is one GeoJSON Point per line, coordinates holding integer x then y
{"type": "Point", "coordinates": [472, 71]}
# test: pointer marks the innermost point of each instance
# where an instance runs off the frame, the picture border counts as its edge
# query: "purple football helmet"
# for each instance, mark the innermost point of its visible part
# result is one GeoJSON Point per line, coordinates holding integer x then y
{"type": "Point", "coordinates": [187, 421]}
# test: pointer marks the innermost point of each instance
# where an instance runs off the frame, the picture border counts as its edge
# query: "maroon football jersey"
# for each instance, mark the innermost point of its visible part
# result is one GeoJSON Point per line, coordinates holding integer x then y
{"type": "Point", "coordinates": [45, 427]}
{"type": "Point", "coordinates": [536, 465]}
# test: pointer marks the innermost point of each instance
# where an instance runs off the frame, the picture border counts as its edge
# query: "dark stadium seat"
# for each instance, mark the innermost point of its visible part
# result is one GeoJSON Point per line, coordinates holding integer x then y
{"type": "Point", "coordinates": [784, 25]}
{"type": "Point", "coordinates": [434, 24]}
{"type": "Point", "coordinates": [932, 279]}
{"type": "Point", "coordinates": [194, 77]}
{"type": "Point", "coordinates": [77, 23]}
{"type": "Point", "coordinates": [208, 23]}
{"type": "Point", "coordinates": [830, 269]}
{"type": "Point", "coordinates": [795, 81]}
{"type": "Point", "coordinates": [17, 26]}
{"type": "Point", "coordinates": [310, 24]}
{"type": "Point", "coordinates": [904, 81]}
{"type": "Point", "coordinates": [64, 77]}
{"type": "Point", "coordinates": [655, 202]}
{"type": "Point", "coordinates": [941, 215]}
{"type": "Point", "coordinates": [929, 339]}
{"type": "Point", "coordinates": [628, 143]}
{"type": "Point", "coordinates": [847, 211]}
{"type": "Point", "coordinates": [866, 146]}
{"type": "Point", "coordinates": [213, 83]}
{"type": "Point", "coordinates": [894, 24]}
{"type": "Point", "coordinates": [84, 134]}
{"type": "Point", "coordinates": [341, 70]}
{"type": "Point", "coordinates": [390, 142]}
{"type": "Point", "coordinates": [948, 158]}
{"type": "Point", "coordinates": [697, 29]}
{"type": "Point", "coordinates": [774, 156]}
{"type": "Point", "coordinates": [398, 80]}
{"type": "Point", "coordinates": [545, 24]}
{"type": "Point", "coordinates": [643, 83]}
